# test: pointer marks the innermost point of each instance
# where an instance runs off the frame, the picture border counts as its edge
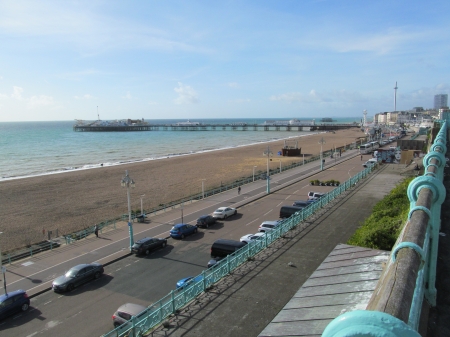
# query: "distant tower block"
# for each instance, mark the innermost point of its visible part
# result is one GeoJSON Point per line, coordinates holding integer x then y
{"type": "Point", "coordinates": [395, 97]}
{"type": "Point", "coordinates": [365, 118]}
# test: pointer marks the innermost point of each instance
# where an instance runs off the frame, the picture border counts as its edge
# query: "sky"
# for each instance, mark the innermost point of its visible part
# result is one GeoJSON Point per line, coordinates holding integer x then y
{"type": "Point", "coordinates": [66, 60]}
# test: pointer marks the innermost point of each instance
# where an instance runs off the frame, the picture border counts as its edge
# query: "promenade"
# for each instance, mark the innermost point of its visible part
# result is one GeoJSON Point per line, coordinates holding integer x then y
{"type": "Point", "coordinates": [245, 302]}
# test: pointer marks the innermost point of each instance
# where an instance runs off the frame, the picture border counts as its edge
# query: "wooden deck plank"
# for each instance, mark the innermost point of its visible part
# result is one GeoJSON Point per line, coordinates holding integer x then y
{"type": "Point", "coordinates": [343, 282]}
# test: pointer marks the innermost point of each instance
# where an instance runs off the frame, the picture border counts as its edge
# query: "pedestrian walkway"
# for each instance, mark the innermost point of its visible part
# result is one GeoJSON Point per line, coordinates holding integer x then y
{"type": "Point", "coordinates": [246, 302]}
{"type": "Point", "coordinates": [36, 273]}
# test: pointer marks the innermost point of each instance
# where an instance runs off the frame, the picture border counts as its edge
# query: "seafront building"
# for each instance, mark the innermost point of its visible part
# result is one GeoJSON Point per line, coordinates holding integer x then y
{"type": "Point", "coordinates": [440, 101]}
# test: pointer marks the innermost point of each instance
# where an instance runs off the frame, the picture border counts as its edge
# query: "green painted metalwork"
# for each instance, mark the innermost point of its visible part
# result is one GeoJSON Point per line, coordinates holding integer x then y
{"type": "Point", "coordinates": [175, 300]}
{"type": "Point", "coordinates": [375, 323]}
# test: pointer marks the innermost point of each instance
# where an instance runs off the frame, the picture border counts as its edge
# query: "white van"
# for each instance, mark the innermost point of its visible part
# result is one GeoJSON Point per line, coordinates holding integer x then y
{"type": "Point", "coordinates": [370, 162]}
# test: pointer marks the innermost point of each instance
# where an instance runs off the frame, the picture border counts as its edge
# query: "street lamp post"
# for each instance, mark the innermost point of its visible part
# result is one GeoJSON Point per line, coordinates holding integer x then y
{"type": "Point", "coordinates": [128, 182]}
{"type": "Point", "coordinates": [254, 173]}
{"type": "Point", "coordinates": [142, 208]}
{"type": "Point", "coordinates": [268, 153]}
{"type": "Point", "coordinates": [280, 165]}
{"type": "Point", "coordinates": [321, 142]}
{"type": "Point", "coordinates": [203, 188]}
{"type": "Point", "coordinates": [2, 268]}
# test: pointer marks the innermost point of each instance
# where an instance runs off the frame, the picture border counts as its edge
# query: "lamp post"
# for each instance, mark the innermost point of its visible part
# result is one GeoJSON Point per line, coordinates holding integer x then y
{"type": "Point", "coordinates": [268, 153]}
{"type": "Point", "coordinates": [254, 173]}
{"type": "Point", "coordinates": [142, 208]}
{"type": "Point", "coordinates": [128, 182]}
{"type": "Point", "coordinates": [182, 204]}
{"type": "Point", "coordinates": [203, 188]}
{"type": "Point", "coordinates": [2, 268]}
{"type": "Point", "coordinates": [280, 165]}
{"type": "Point", "coordinates": [321, 142]}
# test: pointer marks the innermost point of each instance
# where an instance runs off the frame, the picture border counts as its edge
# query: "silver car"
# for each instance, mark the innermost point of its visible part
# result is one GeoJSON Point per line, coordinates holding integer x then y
{"type": "Point", "coordinates": [126, 312]}
{"type": "Point", "coordinates": [224, 212]}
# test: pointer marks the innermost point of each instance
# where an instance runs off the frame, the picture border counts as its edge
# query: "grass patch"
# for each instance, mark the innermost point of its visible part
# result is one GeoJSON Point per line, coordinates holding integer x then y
{"type": "Point", "coordinates": [382, 228]}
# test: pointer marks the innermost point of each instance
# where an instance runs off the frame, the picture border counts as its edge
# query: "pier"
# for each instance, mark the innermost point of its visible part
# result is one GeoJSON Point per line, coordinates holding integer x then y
{"type": "Point", "coordinates": [213, 127]}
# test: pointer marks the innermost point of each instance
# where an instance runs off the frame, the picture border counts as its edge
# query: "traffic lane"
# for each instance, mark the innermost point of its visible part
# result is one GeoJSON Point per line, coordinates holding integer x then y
{"type": "Point", "coordinates": [141, 280]}
{"type": "Point", "coordinates": [38, 276]}
{"type": "Point", "coordinates": [193, 253]}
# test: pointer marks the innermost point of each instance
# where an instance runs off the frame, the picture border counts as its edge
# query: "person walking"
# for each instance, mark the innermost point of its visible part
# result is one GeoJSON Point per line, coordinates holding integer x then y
{"type": "Point", "coordinates": [361, 157]}
{"type": "Point", "coordinates": [96, 230]}
{"type": "Point", "coordinates": [239, 190]}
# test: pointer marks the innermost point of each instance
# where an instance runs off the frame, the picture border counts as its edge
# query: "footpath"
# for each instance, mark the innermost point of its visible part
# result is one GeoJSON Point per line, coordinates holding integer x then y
{"type": "Point", "coordinates": [244, 303]}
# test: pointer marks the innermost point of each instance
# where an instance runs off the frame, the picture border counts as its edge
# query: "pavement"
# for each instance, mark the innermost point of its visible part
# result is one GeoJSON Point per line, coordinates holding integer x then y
{"type": "Point", "coordinates": [250, 298]}
{"type": "Point", "coordinates": [36, 273]}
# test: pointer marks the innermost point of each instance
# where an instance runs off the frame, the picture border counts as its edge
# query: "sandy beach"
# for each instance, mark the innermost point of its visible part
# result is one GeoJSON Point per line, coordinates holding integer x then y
{"type": "Point", "coordinates": [72, 201]}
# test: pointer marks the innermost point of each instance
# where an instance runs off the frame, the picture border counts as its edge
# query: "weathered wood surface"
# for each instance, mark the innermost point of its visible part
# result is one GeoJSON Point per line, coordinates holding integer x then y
{"type": "Point", "coordinates": [343, 282]}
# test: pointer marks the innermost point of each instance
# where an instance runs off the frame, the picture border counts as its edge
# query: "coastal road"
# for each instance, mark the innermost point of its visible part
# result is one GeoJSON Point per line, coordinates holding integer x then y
{"type": "Point", "coordinates": [87, 311]}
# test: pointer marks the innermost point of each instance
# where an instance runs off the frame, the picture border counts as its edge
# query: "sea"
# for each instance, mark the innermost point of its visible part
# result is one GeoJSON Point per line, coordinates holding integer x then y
{"type": "Point", "coordinates": [30, 149]}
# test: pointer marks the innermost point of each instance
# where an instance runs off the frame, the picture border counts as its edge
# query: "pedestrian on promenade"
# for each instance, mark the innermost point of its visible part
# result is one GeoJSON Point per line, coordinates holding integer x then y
{"type": "Point", "coordinates": [96, 230]}
{"type": "Point", "coordinates": [239, 190]}
{"type": "Point", "coordinates": [361, 157]}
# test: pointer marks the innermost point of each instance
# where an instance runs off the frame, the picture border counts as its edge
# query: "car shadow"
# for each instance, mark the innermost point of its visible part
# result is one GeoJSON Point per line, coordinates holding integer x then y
{"type": "Point", "coordinates": [157, 253]}
{"type": "Point", "coordinates": [89, 286]}
{"type": "Point", "coordinates": [233, 217]}
{"type": "Point", "coordinates": [21, 318]}
{"type": "Point", "coordinates": [217, 225]}
{"type": "Point", "coordinates": [194, 237]}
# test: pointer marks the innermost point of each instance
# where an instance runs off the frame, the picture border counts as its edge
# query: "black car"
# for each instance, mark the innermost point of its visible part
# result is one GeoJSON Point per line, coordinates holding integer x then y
{"type": "Point", "coordinates": [206, 221]}
{"type": "Point", "coordinates": [13, 302]}
{"type": "Point", "coordinates": [76, 276]}
{"type": "Point", "coordinates": [146, 245]}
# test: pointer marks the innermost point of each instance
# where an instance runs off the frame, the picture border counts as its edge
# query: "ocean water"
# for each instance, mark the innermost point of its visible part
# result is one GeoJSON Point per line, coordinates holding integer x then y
{"type": "Point", "coordinates": [37, 148]}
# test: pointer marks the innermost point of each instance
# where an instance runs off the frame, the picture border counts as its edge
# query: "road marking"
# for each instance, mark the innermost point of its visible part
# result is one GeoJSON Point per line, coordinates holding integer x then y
{"type": "Point", "coordinates": [48, 302]}
{"type": "Point", "coordinates": [118, 269]}
{"type": "Point", "coordinates": [267, 213]}
{"type": "Point", "coordinates": [252, 222]}
{"type": "Point", "coordinates": [129, 264]}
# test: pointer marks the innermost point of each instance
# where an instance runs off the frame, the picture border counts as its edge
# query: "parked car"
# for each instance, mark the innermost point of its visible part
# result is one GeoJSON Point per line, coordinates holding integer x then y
{"type": "Point", "coordinates": [146, 245]}
{"type": "Point", "coordinates": [224, 212]}
{"type": "Point", "coordinates": [214, 261]}
{"type": "Point", "coordinates": [13, 302]}
{"type": "Point", "coordinates": [370, 162]}
{"type": "Point", "coordinates": [184, 282]}
{"type": "Point", "coordinates": [303, 203]}
{"type": "Point", "coordinates": [125, 312]}
{"type": "Point", "coordinates": [251, 237]}
{"type": "Point", "coordinates": [287, 211]}
{"type": "Point", "coordinates": [206, 221]}
{"type": "Point", "coordinates": [315, 195]}
{"type": "Point", "coordinates": [267, 226]}
{"type": "Point", "coordinates": [181, 230]}
{"type": "Point", "coordinates": [224, 247]}
{"type": "Point", "coordinates": [76, 276]}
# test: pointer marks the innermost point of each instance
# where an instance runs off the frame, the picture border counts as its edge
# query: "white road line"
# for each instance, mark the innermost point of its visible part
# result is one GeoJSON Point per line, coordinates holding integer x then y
{"type": "Point", "coordinates": [118, 269]}
{"type": "Point", "coordinates": [252, 222]}
{"type": "Point", "coordinates": [48, 302]}
{"type": "Point", "coordinates": [267, 212]}
{"type": "Point", "coordinates": [129, 264]}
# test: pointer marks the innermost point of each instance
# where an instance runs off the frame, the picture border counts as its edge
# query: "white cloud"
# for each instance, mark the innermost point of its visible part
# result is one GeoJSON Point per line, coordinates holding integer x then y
{"type": "Point", "coordinates": [86, 96]}
{"type": "Point", "coordinates": [186, 94]}
{"type": "Point", "coordinates": [233, 85]}
{"type": "Point", "coordinates": [341, 96]}
{"type": "Point", "coordinates": [39, 101]}
{"type": "Point", "coordinates": [17, 93]}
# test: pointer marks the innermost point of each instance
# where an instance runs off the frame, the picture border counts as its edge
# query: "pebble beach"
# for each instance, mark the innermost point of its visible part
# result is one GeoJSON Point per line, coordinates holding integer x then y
{"type": "Point", "coordinates": [71, 201]}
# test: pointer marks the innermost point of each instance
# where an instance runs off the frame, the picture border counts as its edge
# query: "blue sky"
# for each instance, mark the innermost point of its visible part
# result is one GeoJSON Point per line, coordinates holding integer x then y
{"type": "Point", "coordinates": [60, 60]}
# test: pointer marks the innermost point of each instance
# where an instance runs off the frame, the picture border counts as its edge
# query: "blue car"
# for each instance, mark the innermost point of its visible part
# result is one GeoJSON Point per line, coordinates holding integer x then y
{"type": "Point", "coordinates": [13, 302]}
{"type": "Point", "coordinates": [181, 230]}
{"type": "Point", "coordinates": [188, 280]}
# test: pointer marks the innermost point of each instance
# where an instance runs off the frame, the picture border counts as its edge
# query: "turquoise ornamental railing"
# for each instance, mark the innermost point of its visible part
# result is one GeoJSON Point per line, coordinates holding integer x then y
{"type": "Point", "coordinates": [176, 299]}
{"type": "Point", "coordinates": [409, 277]}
